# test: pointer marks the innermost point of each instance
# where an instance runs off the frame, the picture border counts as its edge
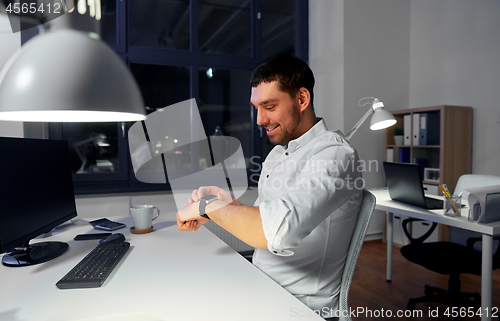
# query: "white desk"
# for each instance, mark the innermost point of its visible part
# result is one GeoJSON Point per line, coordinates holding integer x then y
{"type": "Point", "coordinates": [166, 275]}
{"type": "Point", "coordinates": [384, 203]}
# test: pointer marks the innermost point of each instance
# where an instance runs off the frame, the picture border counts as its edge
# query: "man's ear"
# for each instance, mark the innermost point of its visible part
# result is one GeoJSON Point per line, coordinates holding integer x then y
{"type": "Point", "coordinates": [303, 98]}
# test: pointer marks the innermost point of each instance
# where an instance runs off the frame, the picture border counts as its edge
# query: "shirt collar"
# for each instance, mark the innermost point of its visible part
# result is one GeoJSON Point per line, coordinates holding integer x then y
{"type": "Point", "coordinates": [303, 140]}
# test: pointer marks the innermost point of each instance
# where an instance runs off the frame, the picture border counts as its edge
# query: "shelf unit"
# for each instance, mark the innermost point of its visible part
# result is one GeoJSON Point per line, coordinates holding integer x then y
{"type": "Point", "coordinates": [453, 155]}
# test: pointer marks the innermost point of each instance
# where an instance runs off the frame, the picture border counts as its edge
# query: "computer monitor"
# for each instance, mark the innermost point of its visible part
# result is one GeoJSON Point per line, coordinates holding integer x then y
{"type": "Point", "coordinates": [36, 195]}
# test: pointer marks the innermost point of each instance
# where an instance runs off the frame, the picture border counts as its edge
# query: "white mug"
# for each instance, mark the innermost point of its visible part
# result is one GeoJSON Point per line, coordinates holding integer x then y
{"type": "Point", "coordinates": [143, 216]}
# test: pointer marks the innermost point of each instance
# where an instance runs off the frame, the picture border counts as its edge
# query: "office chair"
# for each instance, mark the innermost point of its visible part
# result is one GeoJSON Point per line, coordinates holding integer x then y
{"type": "Point", "coordinates": [365, 214]}
{"type": "Point", "coordinates": [461, 254]}
{"type": "Point", "coordinates": [358, 236]}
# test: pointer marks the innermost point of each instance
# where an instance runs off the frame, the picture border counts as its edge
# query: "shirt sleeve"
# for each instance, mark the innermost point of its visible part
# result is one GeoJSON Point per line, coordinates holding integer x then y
{"type": "Point", "coordinates": [326, 186]}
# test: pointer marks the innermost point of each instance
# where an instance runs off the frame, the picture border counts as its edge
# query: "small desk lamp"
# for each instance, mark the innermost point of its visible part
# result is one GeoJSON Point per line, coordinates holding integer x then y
{"type": "Point", "coordinates": [381, 118]}
{"type": "Point", "coordinates": [67, 74]}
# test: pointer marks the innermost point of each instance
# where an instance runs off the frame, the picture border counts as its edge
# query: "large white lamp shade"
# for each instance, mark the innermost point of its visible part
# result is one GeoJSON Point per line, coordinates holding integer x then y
{"type": "Point", "coordinates": [68, 76]}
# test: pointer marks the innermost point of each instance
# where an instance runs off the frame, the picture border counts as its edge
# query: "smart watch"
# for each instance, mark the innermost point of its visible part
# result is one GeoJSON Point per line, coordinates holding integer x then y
{"type": "Point", "coordinates": [204, 201]}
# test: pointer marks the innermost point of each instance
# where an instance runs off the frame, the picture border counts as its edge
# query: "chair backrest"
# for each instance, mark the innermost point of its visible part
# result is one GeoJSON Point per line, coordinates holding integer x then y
{"type": "Point", "coordinates": [458, 235]}
{"type": "Point", "coordinates": [364, 216]}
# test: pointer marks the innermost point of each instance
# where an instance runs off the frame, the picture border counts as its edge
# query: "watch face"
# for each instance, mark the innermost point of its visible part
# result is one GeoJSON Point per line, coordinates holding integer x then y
{"type": "Point", "coordinates": [207, 199]}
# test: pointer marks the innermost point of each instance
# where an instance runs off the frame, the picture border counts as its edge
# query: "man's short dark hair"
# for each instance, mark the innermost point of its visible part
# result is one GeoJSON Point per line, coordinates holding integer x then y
{"type": "Point", "coordinates": [290, 72]}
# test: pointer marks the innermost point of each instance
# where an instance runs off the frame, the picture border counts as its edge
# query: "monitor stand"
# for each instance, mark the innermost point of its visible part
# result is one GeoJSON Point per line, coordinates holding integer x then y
{"type": "Point", "coordinates": [34, 254]}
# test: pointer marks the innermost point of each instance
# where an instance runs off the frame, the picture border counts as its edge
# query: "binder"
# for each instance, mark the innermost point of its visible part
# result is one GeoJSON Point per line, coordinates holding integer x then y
{"type": "Point", "coordinates": [416, 129]}
{"type": "Point", "coordinates": [429, 129]}
{"type": "Point", "coordinates": [422, 163]}
{"type": "Point", "coordinates": [407, 129]}
{"type": "Point", "coordinates": [389, 154]}
{"type": "Point", "coordinates": [404, 155]}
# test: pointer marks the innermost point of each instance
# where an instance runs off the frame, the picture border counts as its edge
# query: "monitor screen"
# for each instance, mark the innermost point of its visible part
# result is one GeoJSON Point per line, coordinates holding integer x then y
{"type": "Point", "coordinates": [36, 189]}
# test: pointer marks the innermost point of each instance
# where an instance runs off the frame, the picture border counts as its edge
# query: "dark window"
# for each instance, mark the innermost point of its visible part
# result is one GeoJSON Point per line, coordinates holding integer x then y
{"type": "Point", "coordinates": [225, 27]}
{"type": "Point", "coordinates": [159, 24]}
{"type": "Point", "coordinates": [182, 49]}
{"type": "Point", "coordinates": [162, 85]}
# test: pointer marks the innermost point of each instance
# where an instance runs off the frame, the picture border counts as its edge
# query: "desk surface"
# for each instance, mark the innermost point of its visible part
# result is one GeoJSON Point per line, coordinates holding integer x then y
{"type": "Point", "coordinates": [384, 203]}
{"type": "Point", "coordinates": [166, 275]}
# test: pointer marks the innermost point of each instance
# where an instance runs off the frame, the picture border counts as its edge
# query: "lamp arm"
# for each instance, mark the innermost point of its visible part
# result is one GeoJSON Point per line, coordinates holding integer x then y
{"type": "Point", "coordinates": [359, 123]}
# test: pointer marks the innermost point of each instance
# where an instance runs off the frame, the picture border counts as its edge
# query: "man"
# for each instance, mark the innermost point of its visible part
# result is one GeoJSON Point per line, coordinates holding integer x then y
{"type": "Point", "coordinates": [307, 206]}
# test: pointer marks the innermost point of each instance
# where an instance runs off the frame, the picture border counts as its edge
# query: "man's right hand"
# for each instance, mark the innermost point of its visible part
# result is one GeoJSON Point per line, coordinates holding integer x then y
{"type": "Point", "coordinates": [221, 194]}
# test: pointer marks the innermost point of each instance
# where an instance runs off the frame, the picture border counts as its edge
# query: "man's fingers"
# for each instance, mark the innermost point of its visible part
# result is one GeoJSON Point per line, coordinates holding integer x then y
{"type": "Point", "coordinates": [194, 196]}
{"type": "Point", "coordinates": [184, 225]}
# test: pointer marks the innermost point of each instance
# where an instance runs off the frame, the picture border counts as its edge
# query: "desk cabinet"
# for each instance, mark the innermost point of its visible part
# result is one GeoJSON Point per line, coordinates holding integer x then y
{"type": "Point", "coordinates": [448, 129]}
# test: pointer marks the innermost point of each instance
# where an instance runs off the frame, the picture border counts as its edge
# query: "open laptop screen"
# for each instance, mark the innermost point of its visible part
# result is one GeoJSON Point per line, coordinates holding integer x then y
{"type": "Point", "coordinates": [404, 183]}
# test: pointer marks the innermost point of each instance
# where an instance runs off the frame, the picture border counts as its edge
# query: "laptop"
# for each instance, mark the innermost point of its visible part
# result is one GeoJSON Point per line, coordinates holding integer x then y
{"type": "Point", "coordinates": [404, 183]}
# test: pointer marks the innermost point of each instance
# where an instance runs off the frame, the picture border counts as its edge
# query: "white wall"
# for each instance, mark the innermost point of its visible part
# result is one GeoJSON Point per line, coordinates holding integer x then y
{"type": "Point", "coordinates": [11, 129]}
{"type": "Point", "coordinates": [455, 60]}
{"type": "Point", "coordinates": [360, 49]}
{"type": "Point", "coordinates": [326, 59]}
{"type": "Point", "coordinates": [408, 53]}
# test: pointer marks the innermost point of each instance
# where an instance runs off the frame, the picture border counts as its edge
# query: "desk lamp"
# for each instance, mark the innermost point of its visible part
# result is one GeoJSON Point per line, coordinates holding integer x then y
{"type": "Point", "coordinates": [67, 74]}
{"type": "Point", "coordinates": [381, 118]}
{"type": "Point", "coordinates": [97, 140]}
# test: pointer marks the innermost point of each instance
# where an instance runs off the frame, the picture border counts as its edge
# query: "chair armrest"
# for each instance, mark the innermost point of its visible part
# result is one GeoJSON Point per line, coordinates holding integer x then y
{"type": "Point", "coordinates": [473, 240]}
{"type": "Point", "coordinates": [423, 237]}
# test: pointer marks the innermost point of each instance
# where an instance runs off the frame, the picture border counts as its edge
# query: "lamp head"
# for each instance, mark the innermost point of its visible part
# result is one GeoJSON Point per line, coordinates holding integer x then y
{"type": "Point", "coordinates": [381, 118]}
{"type": "Point", "coordinates": [67, 74]}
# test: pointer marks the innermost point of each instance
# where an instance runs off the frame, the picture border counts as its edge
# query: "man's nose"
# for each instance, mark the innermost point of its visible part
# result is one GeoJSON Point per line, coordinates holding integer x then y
{"type": "Point", "coordinates": [261, 118]}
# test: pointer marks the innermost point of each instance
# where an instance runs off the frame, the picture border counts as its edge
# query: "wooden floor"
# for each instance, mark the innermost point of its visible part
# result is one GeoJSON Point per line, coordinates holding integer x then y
{"type": "Point", "coordinates": [370, 291]}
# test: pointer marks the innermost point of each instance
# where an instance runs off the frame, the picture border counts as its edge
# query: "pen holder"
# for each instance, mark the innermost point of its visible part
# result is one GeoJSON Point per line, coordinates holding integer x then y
{"type": "Point", "coordinates": [449, 208]}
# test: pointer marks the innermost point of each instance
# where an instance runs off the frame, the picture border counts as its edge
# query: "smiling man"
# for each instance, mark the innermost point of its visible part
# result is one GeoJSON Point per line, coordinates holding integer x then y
{"type": "Point", "coordinates": [307, 206]}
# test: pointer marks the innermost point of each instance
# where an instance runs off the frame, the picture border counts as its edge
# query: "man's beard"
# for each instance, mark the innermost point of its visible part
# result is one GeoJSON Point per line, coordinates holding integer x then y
{"type": "Point", "coordinates": [288, 133]}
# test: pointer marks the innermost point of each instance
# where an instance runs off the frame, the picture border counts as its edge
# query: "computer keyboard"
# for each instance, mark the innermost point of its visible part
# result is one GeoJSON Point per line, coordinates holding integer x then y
{"type": "Point", "coordinates": [93, 270]}
{"type": "Point", "coordinates": [433, 203]}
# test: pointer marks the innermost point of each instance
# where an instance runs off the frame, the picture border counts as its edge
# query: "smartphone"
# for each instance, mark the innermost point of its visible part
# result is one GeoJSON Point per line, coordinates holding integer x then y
{"type": "Point", "coordinates": [107, 225]}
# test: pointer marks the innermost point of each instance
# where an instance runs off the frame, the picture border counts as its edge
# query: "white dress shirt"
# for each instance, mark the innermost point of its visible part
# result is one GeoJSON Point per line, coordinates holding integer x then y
{"type": "Point", "coordinates": [309, 197]}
